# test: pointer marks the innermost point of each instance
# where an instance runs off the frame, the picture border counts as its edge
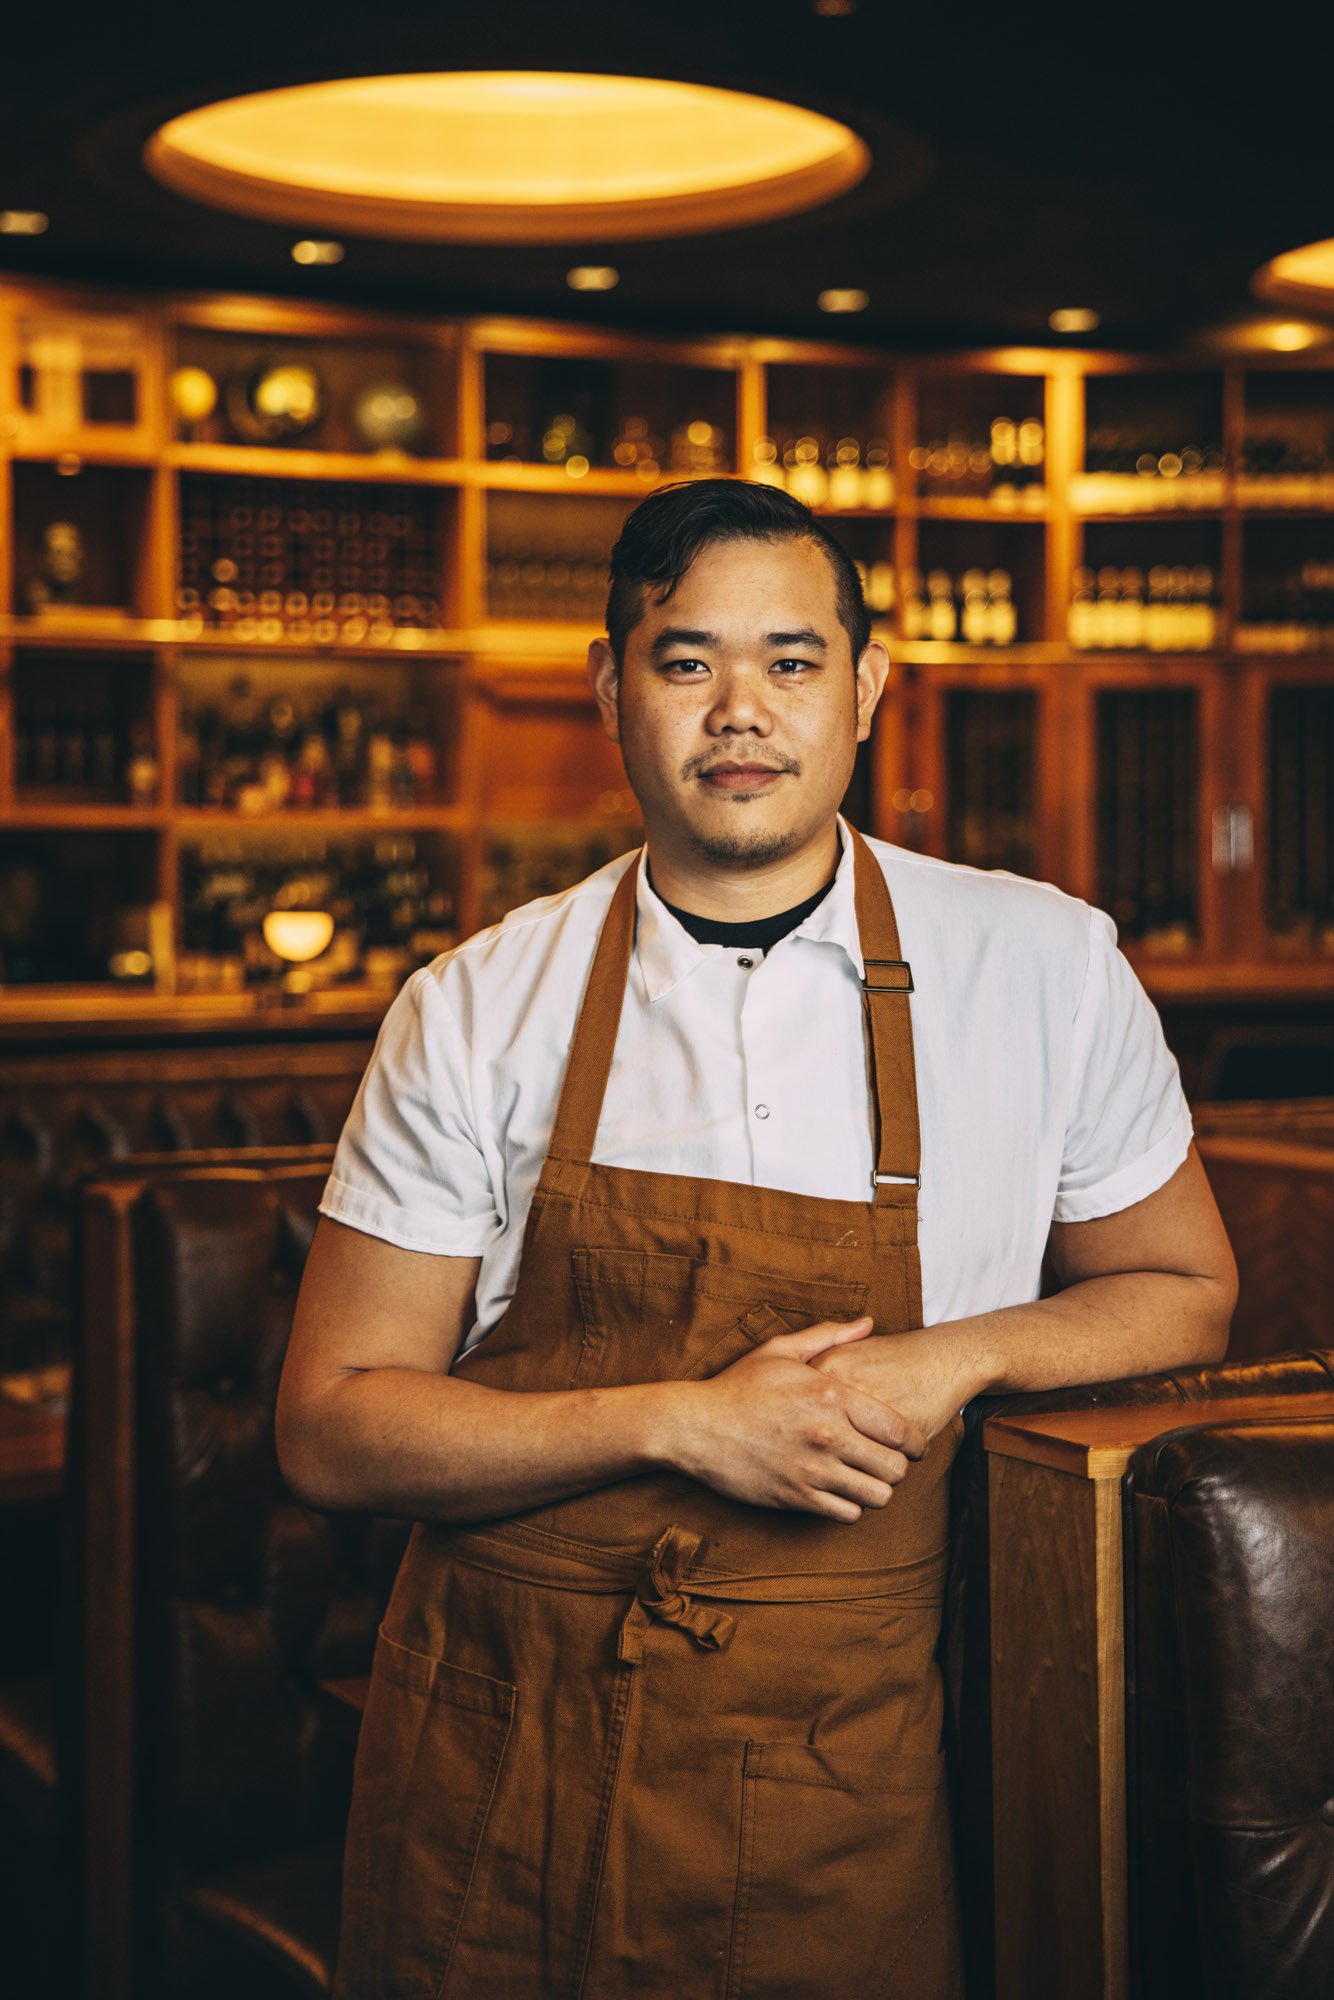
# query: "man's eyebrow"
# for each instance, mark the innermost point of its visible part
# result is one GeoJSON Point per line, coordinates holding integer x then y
{"type": "Point", "coordinates": [805, 636]}
{"type": "Point", "coordinates": [673, 636]}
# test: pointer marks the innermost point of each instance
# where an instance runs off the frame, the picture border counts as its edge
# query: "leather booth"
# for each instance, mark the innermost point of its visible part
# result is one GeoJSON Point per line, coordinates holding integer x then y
{"type": "Point", "coordinates": [66, 1113]}
{"type": "Point", "coordinates": [1225, 1825]}
{"type": "Point", "coordinates": [207, 1792]}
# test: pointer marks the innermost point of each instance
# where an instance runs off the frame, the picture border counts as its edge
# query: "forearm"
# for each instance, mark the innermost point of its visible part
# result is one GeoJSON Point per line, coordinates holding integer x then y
{"type": "Point", "coordinates": [432, 1447]}
{"type": "Point", "coordinates": [1101, 1329]}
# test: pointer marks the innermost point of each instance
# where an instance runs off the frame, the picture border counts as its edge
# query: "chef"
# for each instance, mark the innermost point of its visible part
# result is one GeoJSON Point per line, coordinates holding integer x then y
{"type": "Point", "coordinates": [677, 1218]}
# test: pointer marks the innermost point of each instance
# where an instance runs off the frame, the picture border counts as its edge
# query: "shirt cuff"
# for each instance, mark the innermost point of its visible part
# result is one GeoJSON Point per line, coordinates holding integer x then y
{"type": "Point", "coordinates": [1128, 1185]}
{"type": "Point", "coordinates": [373, 1217]}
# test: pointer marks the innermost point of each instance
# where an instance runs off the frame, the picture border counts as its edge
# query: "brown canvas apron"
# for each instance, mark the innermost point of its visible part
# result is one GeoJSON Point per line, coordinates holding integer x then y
{"type": "Point", "coordinates": [650, 1741]}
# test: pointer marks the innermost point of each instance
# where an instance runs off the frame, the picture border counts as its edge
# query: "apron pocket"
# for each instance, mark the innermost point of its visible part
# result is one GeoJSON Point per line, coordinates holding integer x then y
{"type": "Point", "coordinates": [428, 1758]}
{"type": "Point", "coordinates": [701, 1317]}
{"type": "Point", "coordinates": [845, 1874]}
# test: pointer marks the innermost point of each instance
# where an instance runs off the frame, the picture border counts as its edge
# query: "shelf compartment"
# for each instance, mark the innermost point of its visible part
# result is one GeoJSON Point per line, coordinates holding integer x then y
{"type": "Point", "coordinates": [84, 379]}
{"type": "Point", "coordinates": [84, 732]}
{"type": "Point", "coordinates": [980, 438]}
{"type": "Point", "coordinates": [1147, 763]}
{"type": "Point", "coordinates": [830, 435]}
{"type": "Point", "coordinates": [1287, 601]}
{"type": "Point", "coordinates": [392, 892]}
{"type": "Point", "coordinates": [1287, 452]}
{"type": "Point", "coordinates": [263, 736]}
{"type": "Point", "coordinates": [1153, 442]}
{"type": "Point", "coordinates": [651, 418]}
{"type": "Point", "coordinates": [522, 861]}
{"type": "Point", "coordinates": [346, 396]}
{"type": "Point", "coordinates": [82, 554]}
{"type": "Point", "coordinates": [978, 567]}
{"type": "Point", "coordinates": [1299, 875]}
{"type": "Point", "coordinates": [546, 557]}
{"type": "Point", "coordinates": [76, 905]}
{"type": "Point", "coordinates": [329, 564]}
{"type": "Point", "coordinates": [1147, 588]}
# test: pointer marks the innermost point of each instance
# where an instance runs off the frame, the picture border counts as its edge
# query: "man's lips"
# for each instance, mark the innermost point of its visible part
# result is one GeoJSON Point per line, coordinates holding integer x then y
{"type": "Point", "coordinates": [740, 777]}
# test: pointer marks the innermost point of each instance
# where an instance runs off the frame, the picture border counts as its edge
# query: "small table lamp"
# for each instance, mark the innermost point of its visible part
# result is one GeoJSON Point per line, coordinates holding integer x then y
{"type": "Point", "coordinates": [297, 937]}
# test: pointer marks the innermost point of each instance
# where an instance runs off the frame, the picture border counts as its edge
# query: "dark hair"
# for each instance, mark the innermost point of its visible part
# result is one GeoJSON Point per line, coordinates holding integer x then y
{"type": "Point", "coordinates": [666, 532]}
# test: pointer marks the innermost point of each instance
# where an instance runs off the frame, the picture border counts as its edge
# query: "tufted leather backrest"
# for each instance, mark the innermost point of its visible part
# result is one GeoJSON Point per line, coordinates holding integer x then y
{"type": "Point", "coordinates": [216, 1603]}
{"type": "Point", "coordinates": [968, 1621]}
{"type": "Point", "coordinates": [1276, 1198]}
{"type": "Point", "coordinates": [1232, 1711]}
{"type": "Point", "coordinates": [65, 1115]}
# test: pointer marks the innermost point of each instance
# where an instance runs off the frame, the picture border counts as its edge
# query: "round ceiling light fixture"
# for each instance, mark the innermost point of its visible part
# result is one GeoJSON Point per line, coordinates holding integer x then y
{"type": "Point", "coordinates": [1302, 277]}
{"type": "Point", "coordinates": [508, 156]}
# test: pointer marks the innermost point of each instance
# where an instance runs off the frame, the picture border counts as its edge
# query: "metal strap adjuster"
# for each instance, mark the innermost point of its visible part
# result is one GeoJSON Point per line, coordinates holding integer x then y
{"type": "Point", "coordinates": [903, 985]}
{"type": "Point", "coordinates": [897, 1180]}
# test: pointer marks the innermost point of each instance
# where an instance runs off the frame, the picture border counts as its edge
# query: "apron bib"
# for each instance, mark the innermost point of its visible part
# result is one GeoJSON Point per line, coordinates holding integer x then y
{"type": "Point", "coordinates": [649, 1741]}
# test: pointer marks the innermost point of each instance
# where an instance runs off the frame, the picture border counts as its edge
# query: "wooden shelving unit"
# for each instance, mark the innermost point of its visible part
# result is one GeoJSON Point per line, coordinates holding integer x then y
{"type": "Point", "coordinates": [983, 752]}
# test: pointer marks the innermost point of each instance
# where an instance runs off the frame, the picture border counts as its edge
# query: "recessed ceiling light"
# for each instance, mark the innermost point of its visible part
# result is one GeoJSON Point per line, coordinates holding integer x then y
{"type": "Point", "coordinates": [23, 222]}
{"type": "Point", "coordinates": [507, 156]}
{"type": "Point", "coordinates": [312, 250]}
{"type": "Point", "coordinates": [834, 6]}
{"type": "Point", "coordinates": [593, 278]}
{"type": "Point", "coordinates": [1289, 336]}
{"type": "Point", "coordinates": [845, 300]}
{"type": "Point", "coordinates": [1074, 319]}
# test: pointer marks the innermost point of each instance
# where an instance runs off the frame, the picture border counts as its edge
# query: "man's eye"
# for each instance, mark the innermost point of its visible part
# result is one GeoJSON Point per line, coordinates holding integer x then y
{"type": "Point", "coordinates": [689, 669]}
{"type": "Point", "coordinates": [791, 667]}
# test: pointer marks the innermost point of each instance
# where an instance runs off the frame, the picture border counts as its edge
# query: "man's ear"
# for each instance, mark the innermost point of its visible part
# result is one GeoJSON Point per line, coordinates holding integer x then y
{"type": "Point", "coordinates": [872, 673]}
{"type": "Point", "coordinates": [604, 678]}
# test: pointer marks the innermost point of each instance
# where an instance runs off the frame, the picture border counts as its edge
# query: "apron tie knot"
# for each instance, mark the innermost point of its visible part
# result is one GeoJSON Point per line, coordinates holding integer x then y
{"type": "Point", "coordinates": [663, 1594]}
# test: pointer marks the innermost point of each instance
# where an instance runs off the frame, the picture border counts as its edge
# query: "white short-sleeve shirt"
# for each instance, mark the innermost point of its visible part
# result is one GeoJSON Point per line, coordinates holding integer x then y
{"type": "Point", "coordinates": [1045, 1087]}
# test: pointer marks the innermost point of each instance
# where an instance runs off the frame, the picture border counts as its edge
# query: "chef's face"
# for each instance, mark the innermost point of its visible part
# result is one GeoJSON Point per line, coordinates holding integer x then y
{"type": "Point", "coordinates": [738, 706]}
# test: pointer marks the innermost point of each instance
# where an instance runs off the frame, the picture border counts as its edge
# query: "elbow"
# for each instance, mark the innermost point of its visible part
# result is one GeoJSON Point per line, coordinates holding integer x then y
{"type": "Point", "coordinates": [307, 1454]}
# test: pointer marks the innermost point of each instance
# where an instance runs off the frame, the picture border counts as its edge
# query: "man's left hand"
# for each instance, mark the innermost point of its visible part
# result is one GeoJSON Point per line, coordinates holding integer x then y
{"type": "Point", "coordinates": [926, 1374]}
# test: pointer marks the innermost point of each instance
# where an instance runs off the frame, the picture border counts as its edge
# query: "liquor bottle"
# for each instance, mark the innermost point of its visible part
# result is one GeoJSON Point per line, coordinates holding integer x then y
{"type": "Point", "coordinates": [1002, 618]}
{"type": "Point", "coordinates": [975, 621]}
{"type": "Point", "coordinates": [877, 476]}
{"type": "Point", "coordinates": [916, 613]}
{"type": "Point", "coordinates": [845, 475]}
{"type": "Point", "coordinates": [765, 468]}
{"type": "Point", "coordinates": [189, 763]}
{"type": "Point", "coordinates": [942, 619]}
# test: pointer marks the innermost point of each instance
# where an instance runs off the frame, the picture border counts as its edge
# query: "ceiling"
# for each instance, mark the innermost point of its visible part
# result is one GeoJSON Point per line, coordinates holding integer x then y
{"type": "Point", "coordinates": [1141, 161]}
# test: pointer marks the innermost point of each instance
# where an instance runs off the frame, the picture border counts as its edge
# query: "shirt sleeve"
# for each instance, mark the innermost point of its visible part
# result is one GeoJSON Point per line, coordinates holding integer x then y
{"type": "Point", "coordinates": [408, 1166]}
{"type": "Point", "coordinates": [1128, 1126]}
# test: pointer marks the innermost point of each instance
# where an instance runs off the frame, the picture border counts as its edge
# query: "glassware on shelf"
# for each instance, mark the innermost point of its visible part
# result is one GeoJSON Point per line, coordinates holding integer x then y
{"type": "Point", "coordinates": [976, 607]}
{"type": "Point", "coordinates": [268, 562]}
{"type": "Point", "coordinates": [1127, 473]}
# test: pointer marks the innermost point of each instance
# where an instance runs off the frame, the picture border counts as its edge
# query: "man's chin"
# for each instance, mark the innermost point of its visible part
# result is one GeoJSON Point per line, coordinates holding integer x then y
{"type": "Point", "coordinates": [758, 848]}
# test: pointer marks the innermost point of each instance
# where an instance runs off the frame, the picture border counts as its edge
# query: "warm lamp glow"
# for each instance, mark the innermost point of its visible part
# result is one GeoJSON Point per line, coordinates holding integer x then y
{"type": "Point", "coordinates": [1074, 319]}
{"type": "Point", "coordinates": [297, 935]}
{"type": "Point", "coordinates": [1272, 336]}
{"type": "Point", "coordinates": [508, 157]}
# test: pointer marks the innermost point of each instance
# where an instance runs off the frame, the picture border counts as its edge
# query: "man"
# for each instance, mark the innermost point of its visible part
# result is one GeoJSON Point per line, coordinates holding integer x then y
{"type": "Point", "coordinates": [676, 1219]}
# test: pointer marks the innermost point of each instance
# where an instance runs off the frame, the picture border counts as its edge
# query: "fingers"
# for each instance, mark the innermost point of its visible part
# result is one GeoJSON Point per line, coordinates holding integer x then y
{"type": "Point", "coordinates": [813, 1340]}
{"type": "Point", "coordinates": [887, 1426]}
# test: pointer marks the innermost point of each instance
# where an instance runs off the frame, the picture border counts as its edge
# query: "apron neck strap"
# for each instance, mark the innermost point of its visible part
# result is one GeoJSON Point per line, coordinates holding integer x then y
{"type": "Point", "coordinates": [886, 985]}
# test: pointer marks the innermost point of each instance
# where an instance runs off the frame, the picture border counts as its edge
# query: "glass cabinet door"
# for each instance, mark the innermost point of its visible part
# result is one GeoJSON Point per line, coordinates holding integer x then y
{"type": "Point", "coordinates": [972, 788]}
{"type": "Point", "coordinates": [1147, 814]}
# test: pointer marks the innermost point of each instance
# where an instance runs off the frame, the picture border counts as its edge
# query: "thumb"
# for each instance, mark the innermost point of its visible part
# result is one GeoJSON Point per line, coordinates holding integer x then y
{"type": "Point", "coordinates": [813, 1340]}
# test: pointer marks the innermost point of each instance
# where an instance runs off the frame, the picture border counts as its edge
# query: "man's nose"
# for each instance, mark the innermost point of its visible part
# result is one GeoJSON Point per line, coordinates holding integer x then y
{"type": "Point", "coordinates": [739, 706]}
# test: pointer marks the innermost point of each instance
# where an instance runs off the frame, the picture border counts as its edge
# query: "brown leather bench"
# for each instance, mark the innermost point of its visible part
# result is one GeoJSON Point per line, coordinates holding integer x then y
{"type": "Point", "coordinates": [198, 1777]}
{"type": "Point", "coordinates": [66, 1113]}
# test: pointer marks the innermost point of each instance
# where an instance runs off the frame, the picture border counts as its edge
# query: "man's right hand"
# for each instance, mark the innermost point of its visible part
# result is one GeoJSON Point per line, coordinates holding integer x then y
{"type": "Point", "coordinates": [775, 1432]}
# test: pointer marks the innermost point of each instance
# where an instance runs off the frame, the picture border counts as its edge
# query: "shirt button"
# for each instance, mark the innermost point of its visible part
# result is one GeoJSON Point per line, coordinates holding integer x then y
{"type": "Point", "coordinates": [747, 962]}
{"type": "Point", "coordinates": [761, 1111]}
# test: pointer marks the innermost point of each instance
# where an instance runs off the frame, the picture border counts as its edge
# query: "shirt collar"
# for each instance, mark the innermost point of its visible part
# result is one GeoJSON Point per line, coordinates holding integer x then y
{"type": "Point", "coordinates": [666, 953]}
